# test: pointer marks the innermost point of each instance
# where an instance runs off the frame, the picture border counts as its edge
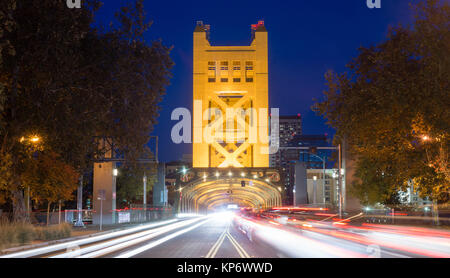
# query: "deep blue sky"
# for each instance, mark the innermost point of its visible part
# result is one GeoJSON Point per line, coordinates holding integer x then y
{"type": "Point", "coordinates": [306, 38]}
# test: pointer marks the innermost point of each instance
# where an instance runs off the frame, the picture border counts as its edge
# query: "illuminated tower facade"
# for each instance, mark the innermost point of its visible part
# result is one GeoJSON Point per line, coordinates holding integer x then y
{"type": "Point", "coordinates": [230, 90]}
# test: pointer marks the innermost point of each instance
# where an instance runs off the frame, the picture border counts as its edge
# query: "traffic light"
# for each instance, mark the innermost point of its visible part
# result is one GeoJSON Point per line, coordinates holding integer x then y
{"type": "Point", "coordinates": [243, 183]}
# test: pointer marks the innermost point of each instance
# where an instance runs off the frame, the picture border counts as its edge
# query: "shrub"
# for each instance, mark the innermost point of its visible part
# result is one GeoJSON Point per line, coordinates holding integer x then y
{"type": "Point", "coordinates": [19, 233]}
{"type": "Point", "coordinates": [54, 232]}
{"type": "Point", "coordinates": [13, 234]}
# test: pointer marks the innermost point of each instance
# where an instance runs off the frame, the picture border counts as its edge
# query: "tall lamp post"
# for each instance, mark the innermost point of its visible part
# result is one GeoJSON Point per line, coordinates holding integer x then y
{"type": "Point", "coordinates": [34, 140]}
{"type": "Point", "coordinates": [113, 199]}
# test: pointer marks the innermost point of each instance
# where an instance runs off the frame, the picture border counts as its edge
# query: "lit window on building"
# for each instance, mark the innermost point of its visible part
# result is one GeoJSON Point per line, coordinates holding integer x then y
{"type": "Point", "coordinates": [211, 80]}
{"type": "Point", "coordinates": [223, 79]}
{"type": "Point", "coordinates": [236, 80]}
{"type": "Point", "coordinates": [249, 79]}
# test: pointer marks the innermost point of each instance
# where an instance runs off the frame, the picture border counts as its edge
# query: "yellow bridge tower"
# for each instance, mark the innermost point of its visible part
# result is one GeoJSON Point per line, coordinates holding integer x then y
{"type": "Point", "coordinates": [228, 81]}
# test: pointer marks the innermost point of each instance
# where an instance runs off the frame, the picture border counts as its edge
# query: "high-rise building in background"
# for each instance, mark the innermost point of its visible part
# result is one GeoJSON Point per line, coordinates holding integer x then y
{"type": "Point", "coordinates": [287, 155]}
{"type": "Point", "coordinates": [289, 127]}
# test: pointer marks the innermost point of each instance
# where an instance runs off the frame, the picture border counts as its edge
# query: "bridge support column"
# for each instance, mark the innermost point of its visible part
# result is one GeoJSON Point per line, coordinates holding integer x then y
{"type": "Point", "coordinates": [104, 185]}
{"type": "Point", "coordinates": [159, 189]}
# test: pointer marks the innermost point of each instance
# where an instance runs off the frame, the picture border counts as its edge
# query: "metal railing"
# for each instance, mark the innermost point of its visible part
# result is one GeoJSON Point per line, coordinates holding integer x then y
{"type": "Point", "coordinates": [138, 214]}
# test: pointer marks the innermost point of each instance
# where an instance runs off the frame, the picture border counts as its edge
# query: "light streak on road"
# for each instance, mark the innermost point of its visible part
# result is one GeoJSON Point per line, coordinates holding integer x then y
{"type": "Point", "coordinates": [295, 244]}
{"type": "Point", "coordinates": [159, 241]}
{"type": "Point", "coordinates": [80, 242]}
{"type": "Point", "coordinates": [104, 248]}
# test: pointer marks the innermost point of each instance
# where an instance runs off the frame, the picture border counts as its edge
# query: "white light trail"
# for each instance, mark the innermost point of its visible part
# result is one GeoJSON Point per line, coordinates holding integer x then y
{"type": "Point", "coordinates": [160, 241]}
{"type": "Point", "coordinates": [62, 246]}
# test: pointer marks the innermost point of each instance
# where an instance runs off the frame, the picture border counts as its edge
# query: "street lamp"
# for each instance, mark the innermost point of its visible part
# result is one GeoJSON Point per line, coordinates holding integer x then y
{"type": "Point", "coordinates": [144, 202]}
{"type": "Point", "coordinates": [34, 139]}
{"type": "Point", "coordinates": [113, 198]}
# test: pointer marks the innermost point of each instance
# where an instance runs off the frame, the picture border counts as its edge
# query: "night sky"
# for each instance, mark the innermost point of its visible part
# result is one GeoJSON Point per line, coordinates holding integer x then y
{"type": "Point", "coordinates": [306, 38]}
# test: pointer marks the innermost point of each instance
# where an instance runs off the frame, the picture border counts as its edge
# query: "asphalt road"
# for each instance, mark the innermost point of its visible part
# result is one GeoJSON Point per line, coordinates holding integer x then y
{"type": "Point", "coordinates": [241, 235]}
{"type": "Point", "coordinates": [217, 237]}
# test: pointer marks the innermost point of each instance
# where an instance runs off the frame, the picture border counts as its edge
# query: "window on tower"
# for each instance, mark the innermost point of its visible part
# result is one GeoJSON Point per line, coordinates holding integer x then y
{"type": "Point", "coordinates": [236, 65]}
{"type": "Point", "coordinates": [224, 65]}
{"type": "Point", "coordinates": [211, 65]}
{"type": "Point", "coordinates": [249, 65]}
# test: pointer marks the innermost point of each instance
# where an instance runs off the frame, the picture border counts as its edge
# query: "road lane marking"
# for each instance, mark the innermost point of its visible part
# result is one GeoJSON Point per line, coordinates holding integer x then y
{"type": "Point", "coordinates": [226, 234]}
{"type": "Point", "coordinates": [158, 242]}
{"type": "Point", "coordinates": [216, 245]}
{"type": "Point", "coordinates": [236, 245]}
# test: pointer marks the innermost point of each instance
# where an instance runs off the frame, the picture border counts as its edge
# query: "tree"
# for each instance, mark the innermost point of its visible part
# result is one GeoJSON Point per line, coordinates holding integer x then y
{"type": "Point", "coordinates": [70, 83]}
{"type": "Point", "coordinates": [130, 182]}
{"type": "Point", "coordinates": [395, 97]}
{"type": "Point", "coordinates": [50, 179]}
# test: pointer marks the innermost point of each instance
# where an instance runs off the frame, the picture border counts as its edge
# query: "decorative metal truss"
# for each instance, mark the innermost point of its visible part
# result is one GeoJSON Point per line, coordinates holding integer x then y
{"type": "Point", "coordinates": [230, 125]}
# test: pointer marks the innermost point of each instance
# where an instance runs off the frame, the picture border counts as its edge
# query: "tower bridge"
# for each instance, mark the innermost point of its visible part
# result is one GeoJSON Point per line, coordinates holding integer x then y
{"type": "Point", "coordinates": [230, 149]}
{"type": "Point", "coordinates": [230, 134]}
